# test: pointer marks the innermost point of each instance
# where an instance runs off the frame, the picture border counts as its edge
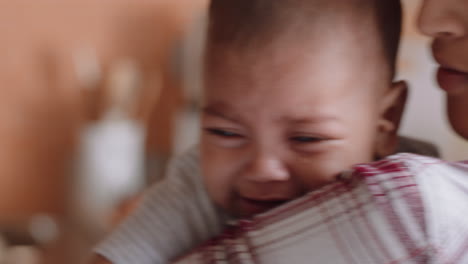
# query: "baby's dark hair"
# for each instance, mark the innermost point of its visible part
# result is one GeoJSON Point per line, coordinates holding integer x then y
{"type": "Point", "coordinates": [250, 23]}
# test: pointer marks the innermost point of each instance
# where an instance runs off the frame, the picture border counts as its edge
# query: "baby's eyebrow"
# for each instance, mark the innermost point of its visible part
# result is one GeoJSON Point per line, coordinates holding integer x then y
{"type": "Point", "coordinates": [219, 110]}
{"type": "Point", "coordinates": [307, 120]}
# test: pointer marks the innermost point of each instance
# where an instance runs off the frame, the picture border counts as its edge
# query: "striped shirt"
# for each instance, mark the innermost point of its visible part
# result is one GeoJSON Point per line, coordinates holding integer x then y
{"type": "Point", "coordinates": [403, 209]}
{"type": "Point", "coordinates": [176, 215]}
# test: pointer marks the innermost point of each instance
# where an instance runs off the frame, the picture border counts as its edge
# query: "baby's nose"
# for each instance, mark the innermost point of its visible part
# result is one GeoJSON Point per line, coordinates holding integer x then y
{"type": "Point", "coordinates": [267, 169]}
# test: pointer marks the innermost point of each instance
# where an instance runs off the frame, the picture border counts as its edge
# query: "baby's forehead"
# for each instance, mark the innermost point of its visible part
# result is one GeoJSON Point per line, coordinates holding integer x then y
{"type": "Point", "coordinates": [294, 76]}
{"type": "Point", "coordinates": [295, 86]}
{"type": "Point", "coordinates": [342, 40]}
{"type": "Point", "coordinates": [292, 61]}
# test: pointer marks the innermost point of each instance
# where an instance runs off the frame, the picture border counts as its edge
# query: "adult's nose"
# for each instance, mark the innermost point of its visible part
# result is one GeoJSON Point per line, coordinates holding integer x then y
{"type": "Point", "coordinates": [440, 19]}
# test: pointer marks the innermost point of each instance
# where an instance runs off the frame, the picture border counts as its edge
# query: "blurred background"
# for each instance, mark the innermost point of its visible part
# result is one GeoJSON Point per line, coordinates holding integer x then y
{"type": "Point", "coordinates": [97, 95]}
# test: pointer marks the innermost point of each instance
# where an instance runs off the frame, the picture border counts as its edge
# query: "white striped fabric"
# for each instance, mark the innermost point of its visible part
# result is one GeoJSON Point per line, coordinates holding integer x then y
{"type": "Point", "coordinates": [404, 209]}
{"type": "Point", "coordinates": [177, 210]}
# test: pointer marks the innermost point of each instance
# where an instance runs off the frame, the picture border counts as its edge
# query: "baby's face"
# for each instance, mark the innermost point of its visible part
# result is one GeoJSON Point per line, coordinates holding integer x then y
{"type": "Point", "coordinates": [446, 21]}
{"type": "Point", "coordinates": [284, 121]}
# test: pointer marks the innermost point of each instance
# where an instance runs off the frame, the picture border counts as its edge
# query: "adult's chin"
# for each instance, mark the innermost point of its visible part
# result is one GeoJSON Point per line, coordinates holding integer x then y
{"type": "Point", "coordinates": [457, 110]}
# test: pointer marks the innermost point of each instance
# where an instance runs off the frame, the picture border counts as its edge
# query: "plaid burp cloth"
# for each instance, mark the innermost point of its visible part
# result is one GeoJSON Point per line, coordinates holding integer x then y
{"type": "Point", "coordinates": [381, 216]}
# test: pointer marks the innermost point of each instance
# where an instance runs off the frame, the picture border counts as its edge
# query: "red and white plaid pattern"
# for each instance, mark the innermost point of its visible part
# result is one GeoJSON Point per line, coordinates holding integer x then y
{"type": "Point", "coordinates": [388, 213]}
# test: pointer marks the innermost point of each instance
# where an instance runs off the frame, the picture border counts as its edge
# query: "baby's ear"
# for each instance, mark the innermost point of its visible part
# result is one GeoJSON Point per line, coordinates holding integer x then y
{"type": "Point", "coordinates": [391, 112]}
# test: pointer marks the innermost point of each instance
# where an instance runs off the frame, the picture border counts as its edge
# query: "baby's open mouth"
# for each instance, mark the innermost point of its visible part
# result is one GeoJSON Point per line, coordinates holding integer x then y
{"type": "Point", "coordinates": [251, 206]}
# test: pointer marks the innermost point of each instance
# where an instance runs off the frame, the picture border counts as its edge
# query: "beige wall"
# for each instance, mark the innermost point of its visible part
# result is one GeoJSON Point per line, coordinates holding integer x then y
{"type": "Point", "coordinates": [41, 106]}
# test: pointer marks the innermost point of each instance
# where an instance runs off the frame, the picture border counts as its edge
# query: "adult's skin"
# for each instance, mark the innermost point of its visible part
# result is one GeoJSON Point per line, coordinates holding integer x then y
{"type": "Point", "coordinates": [446, 21]}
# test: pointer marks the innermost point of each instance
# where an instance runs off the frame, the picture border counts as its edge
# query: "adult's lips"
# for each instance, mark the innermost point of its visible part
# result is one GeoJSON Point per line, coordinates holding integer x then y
{"type": "Point", "coordinates": [452, 80]}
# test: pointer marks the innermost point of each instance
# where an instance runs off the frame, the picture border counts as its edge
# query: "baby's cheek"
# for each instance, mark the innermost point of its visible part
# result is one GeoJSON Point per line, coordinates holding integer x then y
{"type": "Point", "coordinates": [221, 168]}
{"type": "Point", "coordinates": [217, 179]}
{"type": "Point", "coordinates": [318, 172]}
